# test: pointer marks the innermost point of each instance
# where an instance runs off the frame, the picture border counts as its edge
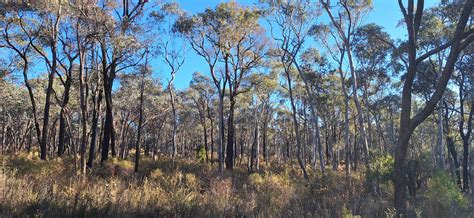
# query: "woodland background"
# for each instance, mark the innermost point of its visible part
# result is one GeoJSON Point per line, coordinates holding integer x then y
{"type": "Point", "coordinates": [305, 109]}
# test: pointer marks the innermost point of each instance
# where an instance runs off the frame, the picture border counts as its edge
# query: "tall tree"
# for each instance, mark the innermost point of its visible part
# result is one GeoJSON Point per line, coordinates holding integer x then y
{"type": "Point", "coordinates": [202, 85]}
{"type": "Point", "coordinates": [144, 72]}
{"type": "Point", "coordinates": [460, 39]}
{"type": "Point", "coordinates": [350, 14]}
{"type": "Point", "coordinates": [291, 23]}
{"type": "Point", "coordinates": [118, 46]}
{"type": "Point", "coordinates": [244, 47]}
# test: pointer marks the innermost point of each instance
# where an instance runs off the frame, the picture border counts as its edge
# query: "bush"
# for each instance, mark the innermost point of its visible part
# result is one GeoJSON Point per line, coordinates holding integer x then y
{"type": "Point", "coordinates": [274, 192]}
{"type": "Point", "coordinates": [381, 168]}
{"type": "Point", "coordinates": [189, 188]}
{"type": "Point", "coordinates": [201, 156]}
{"type": "Point", "coordinates": [443, 198]}
{"type": "Point", "coordinates": [221, 199]}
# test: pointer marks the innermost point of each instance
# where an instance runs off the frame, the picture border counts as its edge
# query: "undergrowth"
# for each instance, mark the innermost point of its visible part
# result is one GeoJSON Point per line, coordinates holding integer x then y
{"type": "Point", "coordinates": [191, 188]}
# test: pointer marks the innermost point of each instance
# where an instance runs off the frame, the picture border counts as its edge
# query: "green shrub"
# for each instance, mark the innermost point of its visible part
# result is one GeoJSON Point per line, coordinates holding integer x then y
{"type": "Point", "coordinates": [201, 156]}
{"type": "Point", "coordinates": [443, 197]}
{"type": "Point", "coordinates": [381, 168]}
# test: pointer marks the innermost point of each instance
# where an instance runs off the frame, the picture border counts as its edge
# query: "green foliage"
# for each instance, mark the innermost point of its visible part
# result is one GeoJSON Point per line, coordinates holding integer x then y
{"type": "Point", "coordinates": [443, 197]}
{"type": "Point", "coordinates": [201, 155]}
{"type": "Point", "coordinates": [381, 168]}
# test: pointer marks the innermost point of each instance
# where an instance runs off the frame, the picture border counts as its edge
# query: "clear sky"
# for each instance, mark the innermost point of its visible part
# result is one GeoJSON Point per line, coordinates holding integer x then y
{"type": "Point", "coordinates": [385, 13]}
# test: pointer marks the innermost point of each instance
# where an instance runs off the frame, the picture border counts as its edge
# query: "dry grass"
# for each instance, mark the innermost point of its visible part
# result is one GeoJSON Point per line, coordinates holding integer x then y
{"type": "Point", "coordinates": [184, 188]}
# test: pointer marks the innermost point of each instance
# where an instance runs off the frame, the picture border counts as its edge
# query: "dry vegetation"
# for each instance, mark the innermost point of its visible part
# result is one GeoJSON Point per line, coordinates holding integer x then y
{"type": "Point", "coordinates": [190, 188]}
{"type": "Point", "coordinates": [183, 187]}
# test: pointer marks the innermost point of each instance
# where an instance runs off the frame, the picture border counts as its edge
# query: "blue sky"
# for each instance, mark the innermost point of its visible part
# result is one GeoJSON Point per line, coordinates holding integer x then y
{"type": "Point", "coordinates": [385, 13]}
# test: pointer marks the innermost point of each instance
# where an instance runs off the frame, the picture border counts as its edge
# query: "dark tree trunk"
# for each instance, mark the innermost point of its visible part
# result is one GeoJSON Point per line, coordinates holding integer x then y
{"type": "Point", "coordinates": [47, 104]}
{"type": "Point", "coordinates": [454, 155]}
{"type": "Point", "coordinates": [295, 123]}
{"type": "Point", "coordinates": [62, 118]}
{"type": "Point", "coordinates": [465, 169]}
{"type": "Point", "coordinates": [407, 123]}
{"type": "Point", "coordinates": [95, 123]}
{"type": "Point", "coordinates": [229, 159]}
{"type": "Point", "coordinates": [108, 131]}
{"type": "Point", "coordinates": [465, 136]}
{"type": "Point", "coordinates": [140, 121]}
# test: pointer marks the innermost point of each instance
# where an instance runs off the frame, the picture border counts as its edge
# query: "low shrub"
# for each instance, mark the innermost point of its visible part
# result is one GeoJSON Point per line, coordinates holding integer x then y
{"type": "Point", "coordinates": [443, 198]}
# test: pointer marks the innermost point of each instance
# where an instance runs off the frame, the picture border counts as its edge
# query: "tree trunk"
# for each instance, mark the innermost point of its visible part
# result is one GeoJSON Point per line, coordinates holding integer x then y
{"type": "Point", "coordinates": [296, 127]}
{"type": "Point", "coordinates": [408, 124]}
{"type": "Point", "coordinates": [229, 159]}
{"type": "Point", "coordinates": [140, 121]}
{"type": "Point", "coordinates": [212, 134]}
{"type": "Point", "coordinates": [221, 131]}
{"type": "Point", "coordinates": [440, 145]}
{"type": "Point", "coordinates": [95, 124]}
{"type": "Point", "coordinates": [62, 118]}
{"type": "Point", "coordinates": [360, 115]}
{"type": "Point", "coordinates": [452, 151]}
{"type": "Point", "coordinates": [465, 136]}
{"type": "Point", "coordinates": [47, 104]}
{"type": "Point", "coordinates": [83, 103]}
{"type": "Point", "coordinates": [108, 131]}
{"type": "Point", "coordinates": [206, 146]}
{"type": "Point", "coordinates": [175, 120]}
{"type": "Point", "coordinates": [264, 133]}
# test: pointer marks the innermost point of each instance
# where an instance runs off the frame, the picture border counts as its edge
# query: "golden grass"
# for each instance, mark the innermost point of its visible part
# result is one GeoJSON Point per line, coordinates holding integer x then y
{"type": "Point", "coordinates": [184, 187]}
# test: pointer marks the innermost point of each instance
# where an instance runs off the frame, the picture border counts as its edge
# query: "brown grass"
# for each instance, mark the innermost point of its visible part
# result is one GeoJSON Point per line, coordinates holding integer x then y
{"type": "Point", "coordinates": [184, 188]}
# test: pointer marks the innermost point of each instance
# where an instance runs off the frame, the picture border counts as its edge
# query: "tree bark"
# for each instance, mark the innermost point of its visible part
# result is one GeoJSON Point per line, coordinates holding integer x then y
{"type": "Point", "coordinates": [408, 124]}
{"type": "Point", "coordinates": [95, 124]}
{"type": "Point", "coordinates": [296, 125]}
{"type": "Point", "coordinates": [140, 121]}
{"type": "Point", "coordinates": [83, 103]}
{"type": "Point", "coordinates": [108, 73]}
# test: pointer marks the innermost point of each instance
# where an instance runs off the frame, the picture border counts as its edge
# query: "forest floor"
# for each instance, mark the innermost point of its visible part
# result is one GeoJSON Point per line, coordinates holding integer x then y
{"type": "Point", "coordinates": [164, 187]}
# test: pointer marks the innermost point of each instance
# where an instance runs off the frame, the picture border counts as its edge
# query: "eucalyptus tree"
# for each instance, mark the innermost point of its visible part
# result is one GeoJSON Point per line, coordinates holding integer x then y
{"type": "Point", "coordinates": [174, 53]}
{"type": "Point", "coordinates": [312, 69]}
{"type": "Point", "coordinates": [437, 25]}
{"type": "Point", "coordinates": [96, 87]}
{"type": "Point", "coordinates": [39, 25]}
{"type": "Point", "coordinates": [154, 108]}
{"type": "Point", "coordinates": [244, 48]}
{"type": "Point", "coordinates": [435, 30]}
{"type": "Point", "coordinates": [465, 81]}
{"type": "Point", "coordinates": [327, 36]}
{"type": "Point", "coordinates": [348, 18]}
{"type": "Point", "coordinates": [229, 34]}
{"type": "Point", "coordinates": [119, 47]}
{"type": "Point", "coordinates": [82, 25]}
{"type": "Point", "coordinates": [15, 40]}
{"type": "Point", "coordinates": [202, 85]}
{"type": "Point", "coordinates": [203, 33]}
{"type": "Point", "coordinates": [254, 159]}
{"type": "Point", "coordinates": [370, 51]}
{"type": "Point", "coordinates": [144, 72]}
{"type": "Point", "coordinates": [264, 87]}
{"type": "Point", "coordinates": [67, 67]}
{"type": "Point", "coordinates": [460, 39]}
{"type": "Point", "coordinates": [47, 31]}
{"type": "Point", "coordinates": [290, 23]}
